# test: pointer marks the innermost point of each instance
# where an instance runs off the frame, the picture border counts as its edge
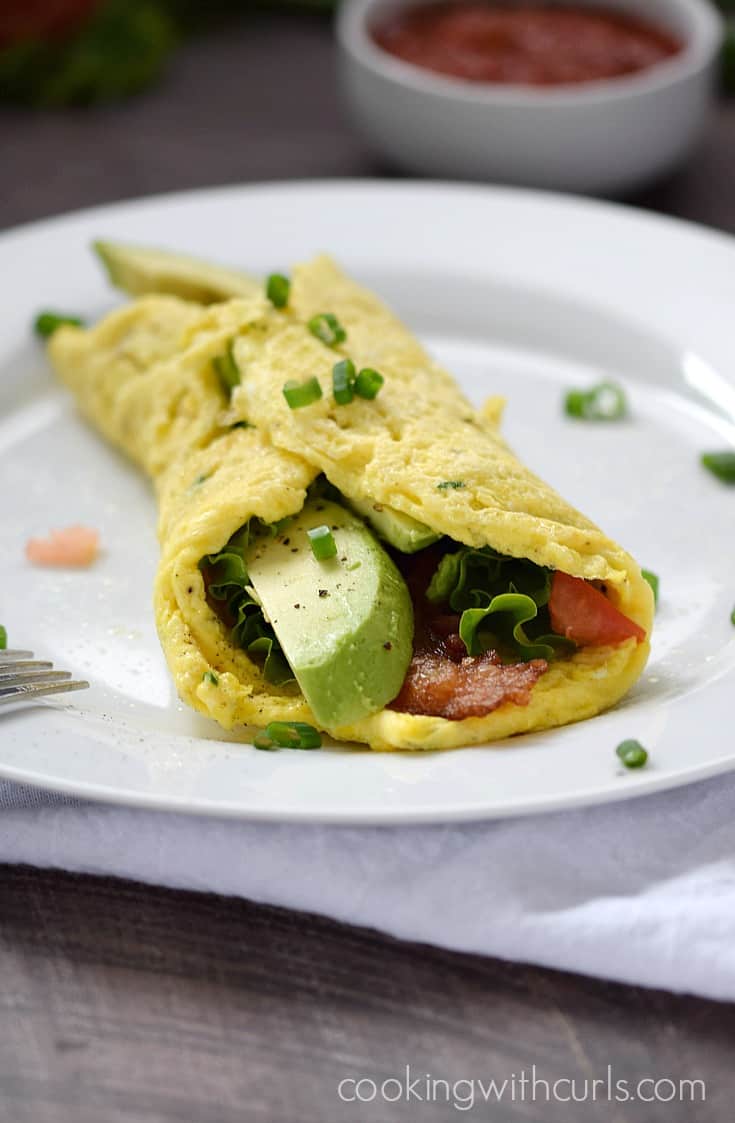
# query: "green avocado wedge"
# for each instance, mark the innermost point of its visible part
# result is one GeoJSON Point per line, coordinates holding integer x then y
{"type": "Point", "coordinates": [400, 531]}
{"type": "Point", "coordinates": [138, 271]}
{"type": "Point", "coordinates": [345, 624]}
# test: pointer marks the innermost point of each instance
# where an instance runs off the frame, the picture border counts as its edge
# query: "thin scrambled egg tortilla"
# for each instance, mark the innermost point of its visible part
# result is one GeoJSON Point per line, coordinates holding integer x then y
{"type": "Point", "coordinates": [144, 377]}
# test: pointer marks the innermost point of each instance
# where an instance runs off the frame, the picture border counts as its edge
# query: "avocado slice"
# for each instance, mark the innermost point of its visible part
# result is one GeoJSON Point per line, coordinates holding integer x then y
{"type": "Point", "coordinates": [345, 625]}
{"type": "Point", "coordinates": [138, 270]}
{"type": "Point", "coordinates": [400, 531]}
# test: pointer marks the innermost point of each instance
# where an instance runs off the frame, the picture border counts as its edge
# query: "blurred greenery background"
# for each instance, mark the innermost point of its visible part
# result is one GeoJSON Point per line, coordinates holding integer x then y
{"type": "Point", "coordinates": [78, 52]}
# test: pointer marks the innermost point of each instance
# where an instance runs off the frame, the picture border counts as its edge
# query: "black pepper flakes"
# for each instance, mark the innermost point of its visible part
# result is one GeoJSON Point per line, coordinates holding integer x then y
{"type": "Point", "coordinates": [323, 593]}
{"type": "Point", "coordinates": [388, 645]}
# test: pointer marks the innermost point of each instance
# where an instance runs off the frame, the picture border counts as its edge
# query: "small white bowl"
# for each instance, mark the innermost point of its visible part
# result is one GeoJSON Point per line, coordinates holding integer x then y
{"type": "Point", "coordinates": [607, 136]}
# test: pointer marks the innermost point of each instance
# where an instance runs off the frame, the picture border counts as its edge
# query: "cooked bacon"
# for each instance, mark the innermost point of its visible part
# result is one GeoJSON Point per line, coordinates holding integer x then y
{"type": "Point", "coordinates": [73, 546]}
{"type": "Point", "coordinates": [439, 687]}
{"type": "Point", "coordinates": [442, 680]}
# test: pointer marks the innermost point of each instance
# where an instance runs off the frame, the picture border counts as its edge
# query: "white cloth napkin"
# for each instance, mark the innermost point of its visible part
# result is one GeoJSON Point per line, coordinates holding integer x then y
{"type": "Point", "coordinates": [642, 892]}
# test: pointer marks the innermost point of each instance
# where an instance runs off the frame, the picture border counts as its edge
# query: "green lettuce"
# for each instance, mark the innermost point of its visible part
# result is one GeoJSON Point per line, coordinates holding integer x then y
{"type": "Point", "coordinates": [502, 600]}
{"type": "Point", "coordinates": [227, 581]}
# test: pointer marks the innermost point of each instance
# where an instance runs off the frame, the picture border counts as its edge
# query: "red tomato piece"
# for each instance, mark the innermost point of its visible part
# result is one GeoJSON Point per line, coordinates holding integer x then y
{"type": "Point", "coordinates": [582, 613]}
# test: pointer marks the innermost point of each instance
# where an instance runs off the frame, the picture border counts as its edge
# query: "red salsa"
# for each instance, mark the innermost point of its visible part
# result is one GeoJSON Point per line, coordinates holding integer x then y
{"type": "Point", "coordinates": [524, 43]}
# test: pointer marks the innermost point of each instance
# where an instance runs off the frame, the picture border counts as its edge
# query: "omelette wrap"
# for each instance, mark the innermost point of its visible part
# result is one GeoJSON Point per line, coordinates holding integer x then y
{"type": "Point", "coordinates": [379, 565]}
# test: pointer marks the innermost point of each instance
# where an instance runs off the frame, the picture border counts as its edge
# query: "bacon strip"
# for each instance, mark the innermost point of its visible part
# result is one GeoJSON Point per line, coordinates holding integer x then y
{"type": "Point", "coordinates": [442, 680]}
{"type": "Point", "coordinates": [439, 687]}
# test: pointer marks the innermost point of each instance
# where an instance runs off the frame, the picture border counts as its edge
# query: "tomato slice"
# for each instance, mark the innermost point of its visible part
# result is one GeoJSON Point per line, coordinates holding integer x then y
{"type": "Point", "coordinates": [582, 613]}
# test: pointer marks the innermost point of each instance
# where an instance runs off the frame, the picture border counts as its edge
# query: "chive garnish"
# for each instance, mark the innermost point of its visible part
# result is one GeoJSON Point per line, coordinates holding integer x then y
{"type": "Point", "coordinates": [46, 323]}
{"type": "Point", "coordinates": [261, 740]}
{"type": "Point", "coordinates": [632, 754]}
{"type": "Point", "coordinates": [278, 289]}
{"type": "Point", "coordinates": [322, 542]}
{"type": "Point", "coordinates": [3, 638]}
{"type": "Point", "coordinates": [211, 676]}
{"type": "Point", "coordinates": [732, 620]}
{"type": "Point", "coordinates": [289, 735]}
{"type": "Point", "coordinates": [300, 394]}
{"type": "Point", "coordinates": [721, 464]}
{"type": "Point", "coordinates": [653, 581]}
{"type": "Point", "coordinates": [368, 383]}
{"type": "Point", "coordinates": [227, 369]}
{"type": "Point", "coordinates": [327, 328]}
{"type": "Point", "coordinates": [447, 485]}
{"type": "Point", "coordinates": [343, 381]}
{"type": "Point", "coordinates": [604, 402]}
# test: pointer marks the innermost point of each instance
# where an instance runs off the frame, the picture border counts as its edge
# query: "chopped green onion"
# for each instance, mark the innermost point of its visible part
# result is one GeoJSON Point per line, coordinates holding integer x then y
{"type": "Point", "coordinates": [446, 485]}
{"type": "Point", "coordinates": [343, 381]}
{"type": "Point", "coordinates": [261, 740]}
{"type": "Point", "coordinates": [293, 735]}
{"type": "Point", "coordinates": [368, 383]}
{"type": "Point", "coordinates": [322, 542]}
{"type": "Point", "coordinates": [327, 327]}
{"type": "Point", "coordinates": [732, 621]}
{"type": "Point", "coordinates": [278, 290]}
{"type": "Point", "coordinates": [211, 676]}
{"type": "Point", "coordinates": [227, 369]}
{"type": "Point", "coordinates": [652, 579]}
{"type": "Point", "coordinates": [3, 638]}
{"type": "Point", "coordinates": [721, 464]}
{"type": "Point", "coordinates": [300, 394]}
{"type": "Point", "coordinates": [604, 402]}
{"type": "Point", "coordinates": [632, 754]}
{"type": "Point", "coordinates": [46, 323]}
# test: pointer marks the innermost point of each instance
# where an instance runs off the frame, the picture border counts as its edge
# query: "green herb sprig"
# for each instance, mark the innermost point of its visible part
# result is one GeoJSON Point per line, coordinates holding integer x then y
{"type": "Point", "coordinates": [721, 465]}
{"type": "Point", "coordinates": [604, 402]}
{"type": "Point", "coordinates": [653, 581]}
{"type": "Point", "coordinates": [300, 394]}
{"type": "Point", "coordinates": [288, 735]}
{"type": "Point", "coordinates": [278, 289]}
{"type": "Point", "coordinates": [323, 546]}
{"type": "Point", "coordinates": [327, 328]}
{"type": "Point", "coordinates": [632, 754]}
{"type": "Point", "coordinates": [46, 323]}
{"type": "Point", "coordinates": [226, 369]}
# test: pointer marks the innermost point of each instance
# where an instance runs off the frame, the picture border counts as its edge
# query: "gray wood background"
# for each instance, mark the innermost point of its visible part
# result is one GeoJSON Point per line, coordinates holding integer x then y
{"type": "Point", "coordinates": [123, 1003]}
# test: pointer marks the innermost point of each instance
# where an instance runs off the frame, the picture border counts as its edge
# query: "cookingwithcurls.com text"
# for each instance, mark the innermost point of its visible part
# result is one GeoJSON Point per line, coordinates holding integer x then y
{"type": "Point", "coordinates": [526, 1086]}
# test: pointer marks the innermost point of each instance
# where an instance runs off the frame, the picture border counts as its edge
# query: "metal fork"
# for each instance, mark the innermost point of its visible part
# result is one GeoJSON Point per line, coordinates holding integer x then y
{"type": "Point", "coordinates": [23, 678]}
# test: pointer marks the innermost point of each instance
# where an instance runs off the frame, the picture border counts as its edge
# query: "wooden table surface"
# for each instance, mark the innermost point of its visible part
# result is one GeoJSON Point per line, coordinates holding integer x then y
{"type": "Point", "coordinates": [123, 1003]}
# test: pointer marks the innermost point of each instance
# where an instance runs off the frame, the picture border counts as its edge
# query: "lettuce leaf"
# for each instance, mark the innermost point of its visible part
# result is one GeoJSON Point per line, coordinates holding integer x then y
{"type": "Point", "coordinates": [502, 601]}
{"type": "Point", "coordinates": [228, 581]}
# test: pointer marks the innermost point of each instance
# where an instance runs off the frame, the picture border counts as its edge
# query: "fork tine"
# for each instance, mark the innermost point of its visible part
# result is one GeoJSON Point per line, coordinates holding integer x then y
{"type": "Point", "coordinates": [10, 678]}
{"type": "Point", "coordinates": [20, 666]}
{"type": "Point", "coordinates": [28, 690]}
{"type": "Point", "coordinates": [24, 678]}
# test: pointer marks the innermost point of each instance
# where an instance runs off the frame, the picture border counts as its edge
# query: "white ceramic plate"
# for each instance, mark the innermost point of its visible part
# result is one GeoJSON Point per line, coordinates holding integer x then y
{"type": "Point", "coordinates": [519, 293]}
